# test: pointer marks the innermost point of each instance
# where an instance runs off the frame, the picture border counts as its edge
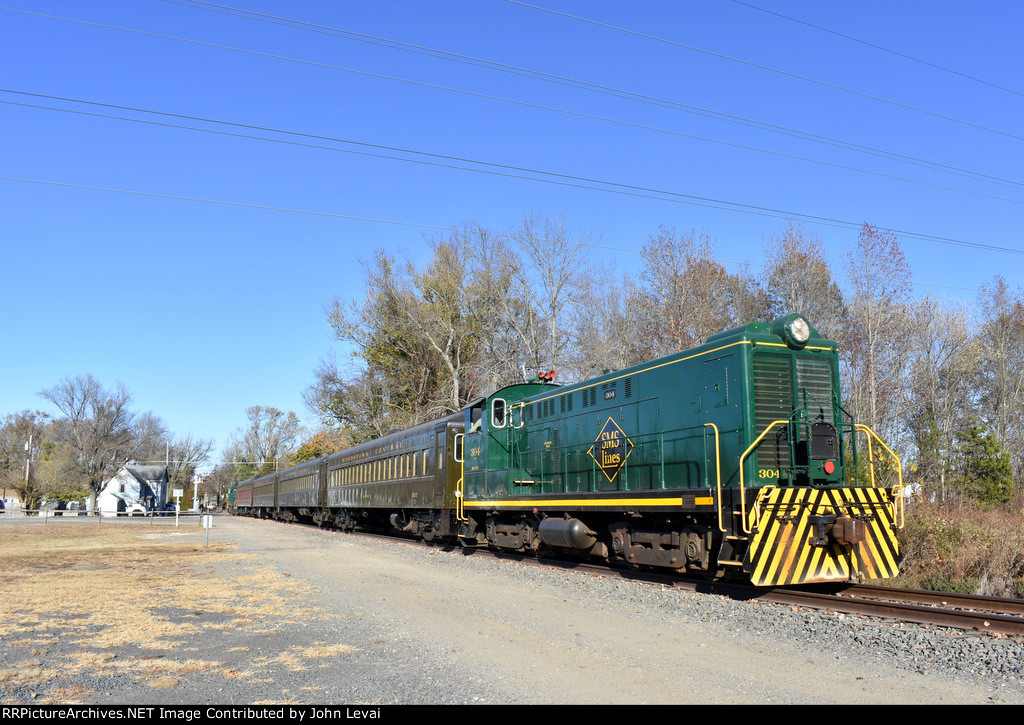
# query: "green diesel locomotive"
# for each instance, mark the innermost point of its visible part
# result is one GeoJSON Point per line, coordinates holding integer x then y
{"type": "Point", "coordinates": [735, 458]}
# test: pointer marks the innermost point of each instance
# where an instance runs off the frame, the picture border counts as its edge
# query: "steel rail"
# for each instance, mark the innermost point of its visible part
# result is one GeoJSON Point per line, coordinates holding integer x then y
{"type": "Point", "coordinates": [892, 606]}
{"type": "Point", "coordinates": [998, 605]}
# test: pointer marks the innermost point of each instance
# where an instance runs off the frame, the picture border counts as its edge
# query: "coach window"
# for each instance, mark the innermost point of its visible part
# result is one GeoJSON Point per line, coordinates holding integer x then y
{"type": "Point", "coordinates": [498, 413]}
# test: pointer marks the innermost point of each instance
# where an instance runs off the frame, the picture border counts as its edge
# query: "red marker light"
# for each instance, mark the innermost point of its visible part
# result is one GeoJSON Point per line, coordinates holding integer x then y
{"type": "Point", "coordinates": [829, 466]}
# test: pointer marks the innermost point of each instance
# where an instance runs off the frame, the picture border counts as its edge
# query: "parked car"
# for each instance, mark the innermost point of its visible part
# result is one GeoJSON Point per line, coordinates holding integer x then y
{"type": "Point", "coordinates": [53, 508]}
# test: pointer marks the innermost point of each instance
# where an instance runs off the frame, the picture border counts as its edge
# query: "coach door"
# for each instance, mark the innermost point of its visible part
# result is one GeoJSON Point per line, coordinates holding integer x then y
{"type": "Point", "coordinates": [448, 478]}
{"type": "Point", "coordinates": [457, 469]}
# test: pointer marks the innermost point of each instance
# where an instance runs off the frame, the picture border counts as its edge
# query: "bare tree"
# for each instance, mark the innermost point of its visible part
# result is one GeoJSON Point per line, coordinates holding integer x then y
{"type": "Point", "coordinates": [418, 337]}
{"type": "Point", "coordinates": [684, 294]}
{"type": "Point", "coordinates": [942, 376]}
{"type": "Point", "coordinates": [23, 437]}
{"type": "Point", "coordinates": [218, 481]}
{"type": "Point", "coordinates": [603, 337]}
{"type": "Point", "coordinates": [269, 436]}
{"type": "Point", "coordinates": [799, 279]}
{"type": "Point", "coordinates": [97, 425]}
{"type": "Point", "coordinates": [355, 402]}
{"type": "Point", "coordinates": [1001, 372]}
{"type": "Point", "coordinates": [442, 313]}
{"type": "Point", "coordinates": [186, 453]}
{"type": "Point", "coordinates": [150, 439]}
{"type": "Point", "coordinates": [506, 317]}
{"type": "Point", "coordinates": [396, 340]}
{"type": "Point", "coordinates": [877, 337]}
{"type": "Point", "coordinates": [551, 277]}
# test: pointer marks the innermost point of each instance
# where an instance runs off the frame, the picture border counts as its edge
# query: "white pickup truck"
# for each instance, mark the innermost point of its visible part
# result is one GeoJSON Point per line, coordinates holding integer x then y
{"type": "Point", "coordinates": [137, 508]}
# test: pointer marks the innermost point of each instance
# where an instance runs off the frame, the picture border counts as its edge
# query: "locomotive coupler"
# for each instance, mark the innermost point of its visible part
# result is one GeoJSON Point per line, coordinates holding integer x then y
{"type": "Point", "coordinates": [842, 530]}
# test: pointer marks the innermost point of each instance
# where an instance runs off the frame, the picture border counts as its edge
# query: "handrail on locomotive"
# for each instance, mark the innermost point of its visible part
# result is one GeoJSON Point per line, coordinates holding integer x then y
{"type": "Point", "coordinates": [897, 490]}
{"type": "Point", "coordinates": [897, 508]}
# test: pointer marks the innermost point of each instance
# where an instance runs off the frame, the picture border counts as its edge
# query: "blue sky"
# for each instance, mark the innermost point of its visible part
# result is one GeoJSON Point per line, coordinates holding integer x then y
{"type": "Point", "coordinates": [195, 267]}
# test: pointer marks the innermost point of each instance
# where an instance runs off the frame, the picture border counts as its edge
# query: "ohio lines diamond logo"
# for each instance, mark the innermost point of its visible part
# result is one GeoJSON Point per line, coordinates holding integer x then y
{"type": "Point", "coordinates": [611, 449]}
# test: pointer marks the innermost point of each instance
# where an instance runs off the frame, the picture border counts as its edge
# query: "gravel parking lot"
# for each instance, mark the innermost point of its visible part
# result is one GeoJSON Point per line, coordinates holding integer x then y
{"type": "Point", "coordinates": [369, 622]}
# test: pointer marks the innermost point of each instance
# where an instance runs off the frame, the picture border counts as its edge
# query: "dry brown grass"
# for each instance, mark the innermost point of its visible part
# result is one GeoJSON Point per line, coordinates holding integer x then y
{"type": "Point", "coordinates": [126, 599]}
{"type": "Point", "coordinates": [964, 549]}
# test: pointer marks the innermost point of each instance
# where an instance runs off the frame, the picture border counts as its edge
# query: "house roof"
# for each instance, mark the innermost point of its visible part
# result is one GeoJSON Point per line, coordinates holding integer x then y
{"type": "Point", "coordinates": [148, 474]}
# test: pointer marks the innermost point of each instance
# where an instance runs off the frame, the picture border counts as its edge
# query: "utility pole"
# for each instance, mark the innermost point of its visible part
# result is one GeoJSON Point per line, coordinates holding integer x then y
{"type": "Point", "coordinates": [28, 466]}
{"type": "Point", "coordinates": [28, 459]}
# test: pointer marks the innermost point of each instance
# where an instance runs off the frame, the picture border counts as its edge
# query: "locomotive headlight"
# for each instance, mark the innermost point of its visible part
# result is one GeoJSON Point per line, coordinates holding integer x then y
{"type": "Point", "coordinates": [799, 330]}
{"type": "Point", "coordinates": [794, 329]}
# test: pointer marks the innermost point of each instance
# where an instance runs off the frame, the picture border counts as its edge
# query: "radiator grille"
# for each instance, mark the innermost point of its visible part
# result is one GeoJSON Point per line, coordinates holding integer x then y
{"type": "Point", "coordinates": [777, 395]}
{"type": "Point", "coordinates": [773, 400]}
{"type": "Point", "coordinates": [814, 385]}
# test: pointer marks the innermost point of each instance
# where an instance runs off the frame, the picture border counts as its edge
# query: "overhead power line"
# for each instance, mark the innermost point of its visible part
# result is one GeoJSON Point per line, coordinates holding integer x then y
{"type": "Point", "coordinates": [539, 75]}
{"type": "Point", "coordinates": [759, 66]}
{"type": "Point", "coordinates": [357, 143]}
{"type": "Point", "coordinates": [706, 202]}
{"type": "Point", "coordinates": [876, 46]}
{"type": "Point", "coordinates": [433, 227]}
{"type": "Point", "coordinates": [513, 172]}
{"type": "Point", "coordinates": [287, 210]}
{"type": "Point", "coordinates": [570, 82]}
{"type": "Point", "coordinates": [567, 180]}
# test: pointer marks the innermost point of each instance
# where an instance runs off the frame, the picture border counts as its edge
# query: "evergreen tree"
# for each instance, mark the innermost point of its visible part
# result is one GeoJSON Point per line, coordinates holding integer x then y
{"type": "Point", "coordinates": [983, 468]}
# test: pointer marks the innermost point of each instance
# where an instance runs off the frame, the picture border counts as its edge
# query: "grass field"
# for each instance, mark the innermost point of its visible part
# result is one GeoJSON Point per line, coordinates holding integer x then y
{"type": "Point", "coordinates": [82, 605]}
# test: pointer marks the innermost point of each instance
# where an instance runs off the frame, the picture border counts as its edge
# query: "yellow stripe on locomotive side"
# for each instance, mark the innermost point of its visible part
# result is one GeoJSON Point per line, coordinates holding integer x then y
{"type": "Point", "coordinates": [781, 552]}
{"type": "Point", "coordinates": [580, 502]}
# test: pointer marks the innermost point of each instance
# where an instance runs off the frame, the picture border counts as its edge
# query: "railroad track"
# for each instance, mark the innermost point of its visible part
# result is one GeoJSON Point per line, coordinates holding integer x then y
{"type": "Point", "coordinates": [963, 611]}
{"type": "Point", "coordinates": [992, 615]}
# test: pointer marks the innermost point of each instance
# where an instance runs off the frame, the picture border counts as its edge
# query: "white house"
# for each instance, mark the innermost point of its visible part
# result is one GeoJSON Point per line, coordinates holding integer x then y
{"type": "Point", "coordinates": [135, 489]}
